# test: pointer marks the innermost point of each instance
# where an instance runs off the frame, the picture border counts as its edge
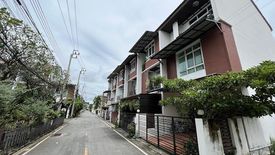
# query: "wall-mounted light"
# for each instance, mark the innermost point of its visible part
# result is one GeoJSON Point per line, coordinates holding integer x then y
{"type": "Point", "coordinates": [200, 112]}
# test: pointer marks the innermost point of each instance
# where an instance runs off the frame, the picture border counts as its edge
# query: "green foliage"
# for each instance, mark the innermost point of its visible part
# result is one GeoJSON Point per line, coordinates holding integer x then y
{"type": "Point", "coordinates": [155, 82]}
{"type": "Point", "coordinates": [97, 102]}
{"type": "Point", "coordinates": [131, 128]}
{"type": "Point", "coordinates": [24, 52]}
{"type": "Point", "coordinates": [19, 108]}
{"type": "Point", "coordinates": [29, 64]}
{"type": "Point", "coordinates": [221, 96]}
{"type": "Point", "coordinates": [79, 105]}
{"type": "Point", "coordinates": [129, 105]}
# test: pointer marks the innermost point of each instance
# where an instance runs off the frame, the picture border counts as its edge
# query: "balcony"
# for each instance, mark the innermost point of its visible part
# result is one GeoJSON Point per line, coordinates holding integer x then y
{"type": "Point", "coordinates": [154, 84]}
{"type": "Point", "coordinates": [203, 12]}
{"type": "Point", "coordinates": [132, 91]}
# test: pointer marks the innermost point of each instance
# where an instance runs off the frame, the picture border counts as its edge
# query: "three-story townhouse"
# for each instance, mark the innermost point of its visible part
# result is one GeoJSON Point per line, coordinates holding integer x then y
{"type": "Point", "coordinates": [203, 38]}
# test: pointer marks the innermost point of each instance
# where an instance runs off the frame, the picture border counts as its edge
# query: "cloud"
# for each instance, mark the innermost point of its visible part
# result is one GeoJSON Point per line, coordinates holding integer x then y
{"type": "Point", "coordinates": [107, 30]}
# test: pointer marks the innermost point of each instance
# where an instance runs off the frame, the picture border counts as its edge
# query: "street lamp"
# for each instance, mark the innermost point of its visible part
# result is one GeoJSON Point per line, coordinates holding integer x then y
{"type": "Point", "coordinates": [82, 71]}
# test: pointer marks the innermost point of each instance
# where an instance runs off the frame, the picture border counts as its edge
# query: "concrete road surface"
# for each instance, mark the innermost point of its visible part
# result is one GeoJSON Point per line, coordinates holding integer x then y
{"type": "Point", "coordinates": [85, 135]}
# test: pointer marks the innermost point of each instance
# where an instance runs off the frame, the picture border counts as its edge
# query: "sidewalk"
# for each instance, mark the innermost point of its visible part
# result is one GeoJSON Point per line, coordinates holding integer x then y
{"type": "Point", "coordinates": [142, 144]}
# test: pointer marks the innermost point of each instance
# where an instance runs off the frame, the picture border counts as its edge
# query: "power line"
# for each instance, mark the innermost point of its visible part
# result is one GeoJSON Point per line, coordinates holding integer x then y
{"type": "Point", "coordinates": [9, 8]}
{"type": "Point", "coordinates": [24, 65]}
{"type": "Point", "coordinates": [44, 23]}
{"type": "Point", "coordinates": [70, 22]}
{"type": "Point", "coordinates": [64, 21]}
{"type": "Point", "coordinates": [76, 26]}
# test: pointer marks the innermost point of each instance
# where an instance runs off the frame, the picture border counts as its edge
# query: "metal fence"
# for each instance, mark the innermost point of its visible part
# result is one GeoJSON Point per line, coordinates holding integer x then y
{"type": "Point", "coordinates": [175, 135]}
{"type": "Point", "coordinates": [19, 137]}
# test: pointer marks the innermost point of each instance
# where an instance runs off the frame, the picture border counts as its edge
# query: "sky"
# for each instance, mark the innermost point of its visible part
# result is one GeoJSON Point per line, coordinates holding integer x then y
{"type": "Point", "coordinates": [107, 30]}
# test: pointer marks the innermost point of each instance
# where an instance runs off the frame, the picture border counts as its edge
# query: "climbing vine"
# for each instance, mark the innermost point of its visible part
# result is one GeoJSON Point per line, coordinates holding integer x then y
{"type": "Point", "coordinates": [129, 105]}
{"type": "Point", "coordinates": [224, 96]}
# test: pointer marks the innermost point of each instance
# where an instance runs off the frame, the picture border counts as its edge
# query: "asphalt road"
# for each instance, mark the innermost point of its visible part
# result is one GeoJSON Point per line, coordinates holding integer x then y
{"type": "Point", "coordinates": [85, 135]}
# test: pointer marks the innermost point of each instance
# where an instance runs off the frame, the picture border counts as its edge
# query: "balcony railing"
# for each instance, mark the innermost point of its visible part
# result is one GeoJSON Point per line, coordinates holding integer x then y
{"type": "Point", "coordinates": [202, 12]}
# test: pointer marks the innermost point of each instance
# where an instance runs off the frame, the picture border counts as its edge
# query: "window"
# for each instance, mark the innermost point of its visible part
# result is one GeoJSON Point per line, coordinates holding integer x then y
{"type": "Point", "coordinates": [133, 66]}
{"type": "Point", "coordinates": [121, 75]}
{"type": "Point", "coordinates": [190, 60]}
{"type": "Point", "coordinates": [150, 50]}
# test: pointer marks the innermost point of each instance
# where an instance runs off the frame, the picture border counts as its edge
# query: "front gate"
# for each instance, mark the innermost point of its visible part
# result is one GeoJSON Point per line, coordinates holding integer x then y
{"type": "Point", "coordinates": [175, 135]}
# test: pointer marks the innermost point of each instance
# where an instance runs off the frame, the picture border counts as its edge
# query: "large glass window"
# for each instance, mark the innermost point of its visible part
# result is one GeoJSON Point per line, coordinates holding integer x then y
{"type": "Point", "coordinates": [150, 50]}
{"type": "Point", "coordinates": [190, 60]}
{"type": "Point", "coordinates": [121, 75]}
{"type": "Point", "coordinates": [133, 66]}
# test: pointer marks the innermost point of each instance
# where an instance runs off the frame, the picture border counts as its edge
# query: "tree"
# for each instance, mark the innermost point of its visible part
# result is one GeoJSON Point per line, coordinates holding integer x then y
{"type": "Point", "coordinates": [28, 64]}
{"type": "Point", "coordinates": [96, 102]}
{"type": "Point", "coordinates": [221, 96]}
{"type": "Point", "coordinates": [25, 55]}
{"type": "Point", "coordinates": [79, 105]}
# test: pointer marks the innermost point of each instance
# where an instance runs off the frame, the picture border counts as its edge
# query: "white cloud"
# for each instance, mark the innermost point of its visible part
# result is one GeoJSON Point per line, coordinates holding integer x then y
{"type": "Point", "coordinates": [107, 30]}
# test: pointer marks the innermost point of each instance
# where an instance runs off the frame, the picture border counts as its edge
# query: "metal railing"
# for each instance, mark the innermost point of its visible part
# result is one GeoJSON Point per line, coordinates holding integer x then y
{"type": "Point", "coordinates": [175, 135]}
{"type": "Point", "coordinates": [14, 139]}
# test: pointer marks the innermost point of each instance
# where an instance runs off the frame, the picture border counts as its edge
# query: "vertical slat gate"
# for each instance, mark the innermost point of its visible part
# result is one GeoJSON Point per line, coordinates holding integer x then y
{"type": "Point", "coordinates": [171, 134]}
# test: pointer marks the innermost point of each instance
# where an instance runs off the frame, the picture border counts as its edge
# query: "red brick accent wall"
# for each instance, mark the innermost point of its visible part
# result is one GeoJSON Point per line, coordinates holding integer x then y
{"type": "Point", "coordinates": [231, 48]}
{"type": "Point", "coordinates": [132, 75]}
{"type": "Point", "coordinates": [171, 67]}
{"type": "Point", "coordinates": [157, 44]}
{"type": "Point", "coordinates": [120, 82]}
{"type": "Point", "coordinates": [219, 51]}
{"type": "Point", "coordinates": [144, 80]}
{"type": "Point", "coordinates": [150, 63]}
{"type": "Point", "coordinates": [214, 52]}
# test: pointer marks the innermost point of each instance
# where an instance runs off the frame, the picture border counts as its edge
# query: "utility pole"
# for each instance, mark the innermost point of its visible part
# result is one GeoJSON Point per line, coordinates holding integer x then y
{"type": "Point", "coordinates": [67, 75]}
{"type": "Point", "coordinates": [82, 71]}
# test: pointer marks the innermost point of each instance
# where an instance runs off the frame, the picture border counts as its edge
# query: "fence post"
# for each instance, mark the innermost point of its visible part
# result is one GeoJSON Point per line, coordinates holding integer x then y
{"type": "Point", "coordinates": [174, 137]}
{"type": "Point", "coordinates": [146, 126]}
{"type": "Point", "coordinates": [158, 129]}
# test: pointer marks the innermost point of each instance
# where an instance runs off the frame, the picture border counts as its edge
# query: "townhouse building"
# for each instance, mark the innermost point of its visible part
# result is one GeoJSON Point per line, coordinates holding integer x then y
{"type": "Point", "coordinates": [199, 39]}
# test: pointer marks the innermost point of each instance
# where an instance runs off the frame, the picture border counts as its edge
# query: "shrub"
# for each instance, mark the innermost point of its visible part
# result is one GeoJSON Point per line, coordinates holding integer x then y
{"type": "Point", "coordinates": [131, 129]}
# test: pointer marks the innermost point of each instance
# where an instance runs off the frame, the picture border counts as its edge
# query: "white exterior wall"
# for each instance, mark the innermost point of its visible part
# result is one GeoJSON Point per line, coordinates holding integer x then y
{"type": "Point", "coordinates": [252, 34]}
{"type": "Point", "coordinates": [164, 39]}
{"type": "Point", "coordinates": [170, 110]}
{"type": "Point", "coordinates": [175, 30]}
{"type": "Point", "coordinates": [268, 126]}
{"type": "Point", "coordinates": [139, 63]}
{"type": "Point", "coordinates": [126, 74]}
{"type": "Point", "coordinates": [206, 145]}
{"type": "Point", "coordinates": [255, 43]}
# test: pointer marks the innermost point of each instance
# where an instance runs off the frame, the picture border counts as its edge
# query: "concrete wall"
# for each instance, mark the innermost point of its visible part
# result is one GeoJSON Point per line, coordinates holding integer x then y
{"type": "Point", "coordinates": [164, 39]}
{"type": "Point", "coordinates": [206, 145]}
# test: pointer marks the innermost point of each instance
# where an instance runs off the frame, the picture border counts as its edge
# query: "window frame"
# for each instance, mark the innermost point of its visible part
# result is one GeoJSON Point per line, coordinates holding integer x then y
{"type": "Point", "coordinates": [183, 51]}
{"type": "Point", "coordinates": [133, 62]}
{"type": "Point", "coordinates": [151, 46]}
{"type": "Point", "coordinates": [121, 75]}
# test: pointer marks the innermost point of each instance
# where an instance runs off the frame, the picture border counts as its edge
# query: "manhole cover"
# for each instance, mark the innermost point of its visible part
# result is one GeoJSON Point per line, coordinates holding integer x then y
{"type": "Point", "coordinates": [57, 134]}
